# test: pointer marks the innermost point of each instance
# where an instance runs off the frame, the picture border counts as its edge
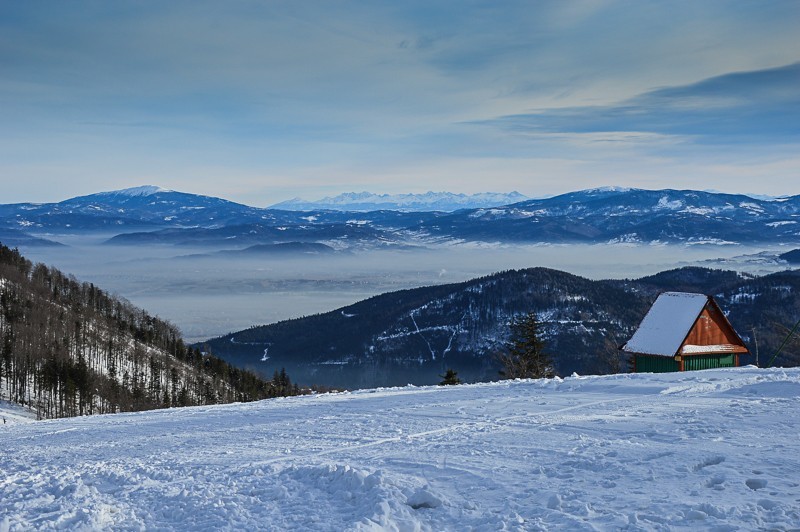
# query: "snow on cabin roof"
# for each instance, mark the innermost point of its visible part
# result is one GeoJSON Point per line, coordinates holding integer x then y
{"type": "Point", "coordinates": [666, 324]}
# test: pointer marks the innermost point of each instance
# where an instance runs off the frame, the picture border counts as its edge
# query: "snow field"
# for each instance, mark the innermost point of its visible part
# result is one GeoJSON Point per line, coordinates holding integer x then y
{"type": "Point", "coordinates": [709, 450]}
{"type": "Point", "coordinates": [11, 413]}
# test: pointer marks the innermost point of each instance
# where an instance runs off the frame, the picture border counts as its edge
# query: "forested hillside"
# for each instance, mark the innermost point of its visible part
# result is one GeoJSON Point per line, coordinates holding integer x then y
{"type": "Point", "coordinates": [414, 336]}
{"type": "Point", "coordinates": [68, 348]}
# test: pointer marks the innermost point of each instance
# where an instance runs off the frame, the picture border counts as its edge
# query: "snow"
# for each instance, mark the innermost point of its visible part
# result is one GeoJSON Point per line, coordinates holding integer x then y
{"type": "Point", "coordinates": [429, 201]}
{"type": "Point", "coordinates": [707, 450]}
{"type": "Point", "coordinates": [778, 224]}
{"type": "Point", "coordinates": [664, 203]}
{"type": "Point", "coordinates": [717, 348]}
{"type": "Point", "coordinates": [754, 208]}
{"type": "Point", "coordinates": [608, 189]}
{"type": "Point", "coordinates": [11, 413]}
{"type": "Point", "coordinates": [707, 241]}
{"type": "Point", "coordinates": [702, 211]}
{"type": "Point", "coordinates": [628, 238]}
{"type": "Point", "coordinates": [666, 324]}
{"type": "Point", "coordinates": [145, 190]}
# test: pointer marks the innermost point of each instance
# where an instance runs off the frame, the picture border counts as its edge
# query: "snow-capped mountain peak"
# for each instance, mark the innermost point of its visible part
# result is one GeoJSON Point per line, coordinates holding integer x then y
{"type": "Point", "coordinates": [145, 190]}
{"type": "Point", "coordinates": [608, 189]}
{"type": "Point", "coordinates": [428, 201]}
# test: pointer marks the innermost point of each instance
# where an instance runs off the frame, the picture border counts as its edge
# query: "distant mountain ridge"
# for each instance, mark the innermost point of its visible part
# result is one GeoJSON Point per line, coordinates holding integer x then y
{"type": "Point", "coordinates": [603, 215]}
{"type": "Point", "coordinates": [429, 201]}
{"type": "Point", "coordinates": [619, 215]}
{"type": "Point", "coordinates": [150, 208]}
{"type": "Point", "coordinates": [144, 190]}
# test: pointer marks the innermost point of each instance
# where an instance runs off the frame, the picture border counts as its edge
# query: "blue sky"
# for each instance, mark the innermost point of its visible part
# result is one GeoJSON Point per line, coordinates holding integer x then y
{"type": "Point", "coordinates": [263, 101]}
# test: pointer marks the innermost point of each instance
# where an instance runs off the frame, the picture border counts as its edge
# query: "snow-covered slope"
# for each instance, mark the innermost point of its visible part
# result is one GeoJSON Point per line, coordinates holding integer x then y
{"type": "Point", "coordinates": [711, 450]}
{"type": "Point", "coordinates": [12, 413]}
{"type": "Point", "coordinates": [133, 192]}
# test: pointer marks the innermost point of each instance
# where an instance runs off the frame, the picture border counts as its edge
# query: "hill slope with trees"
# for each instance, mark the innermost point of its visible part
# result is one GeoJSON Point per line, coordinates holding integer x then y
{"type": "Point", "coordinates": [68, 348]}
{"type": "Point", "coordinates": [415, 336]}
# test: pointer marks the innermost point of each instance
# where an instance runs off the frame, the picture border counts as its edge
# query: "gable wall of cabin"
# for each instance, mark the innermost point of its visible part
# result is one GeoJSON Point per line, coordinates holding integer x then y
{"type": "Point", "coordinates": [711, 328]}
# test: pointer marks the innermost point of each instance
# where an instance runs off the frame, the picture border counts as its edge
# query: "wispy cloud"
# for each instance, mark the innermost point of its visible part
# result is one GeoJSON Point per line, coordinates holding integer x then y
{"type": "Point", "coordinates": [320, 94]}
{"type": "Point", "coordinates": [757, 106]}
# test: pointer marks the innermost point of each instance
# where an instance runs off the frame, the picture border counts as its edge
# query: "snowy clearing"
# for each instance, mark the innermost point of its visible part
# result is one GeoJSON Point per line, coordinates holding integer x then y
{"type": "Point", "coordinates": [714, 449]}
{"type": "Point", "coordinates": [12, 413]}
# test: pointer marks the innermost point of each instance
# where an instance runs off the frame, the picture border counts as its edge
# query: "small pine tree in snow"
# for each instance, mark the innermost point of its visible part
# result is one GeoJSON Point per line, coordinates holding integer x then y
{"type": "Point", "coordinates": [525, 357]}
{"type": "Point", "coordinates": [450, 377]}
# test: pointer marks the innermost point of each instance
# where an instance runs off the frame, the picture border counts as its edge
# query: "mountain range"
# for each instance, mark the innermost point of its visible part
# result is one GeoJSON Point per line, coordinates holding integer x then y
{"type": "Point", "coordinates": [413, 336]}
{"type": "Point", "coordinates": [616, 215]}
{"type": "Point", "coordinates": [430, 201]}
{"type": "Point", "coordinates": [609, 215]}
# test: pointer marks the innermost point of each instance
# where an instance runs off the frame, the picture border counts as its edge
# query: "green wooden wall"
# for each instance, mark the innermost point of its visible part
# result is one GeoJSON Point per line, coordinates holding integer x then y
{"type": "Point", "coordinates": [708, 361]}
{"type": "Point", "coordinates": [659, 364]}
{"type": "Point", "coordinates": [655, 364]}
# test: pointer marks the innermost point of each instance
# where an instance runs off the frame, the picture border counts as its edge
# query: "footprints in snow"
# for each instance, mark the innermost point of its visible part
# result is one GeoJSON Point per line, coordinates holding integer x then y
{"type": "Point", "coordinates": [714, 460]}
{"type": "Point", "coordinates": [717, 480]}
{"type": "Point", "coordinates": [756, 483]}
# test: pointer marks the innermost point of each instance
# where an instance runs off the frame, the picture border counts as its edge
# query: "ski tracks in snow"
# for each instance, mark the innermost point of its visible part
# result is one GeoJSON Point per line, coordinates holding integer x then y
{"type": "Point", "coordinates": [705, 451]}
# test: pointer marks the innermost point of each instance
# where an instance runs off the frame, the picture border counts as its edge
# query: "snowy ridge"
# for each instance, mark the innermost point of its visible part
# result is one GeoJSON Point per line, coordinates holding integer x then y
{"type": "Point", "coordinates": [615, 214]}
{"type": "Point", "coordinates": [600, 190]}
{"type": "Point", "coordinates": [144, 190]}
{"type": "Point", "coordinates": [430, 201]}
{"type": "Point", "coordinates": [600, 215]}
{"type": "Point", "coordinates": [652, 452]}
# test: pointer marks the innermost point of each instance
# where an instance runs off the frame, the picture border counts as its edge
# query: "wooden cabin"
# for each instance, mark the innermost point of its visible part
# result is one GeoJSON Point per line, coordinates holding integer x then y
{"type": "Point", "coordinates": [683, 332]}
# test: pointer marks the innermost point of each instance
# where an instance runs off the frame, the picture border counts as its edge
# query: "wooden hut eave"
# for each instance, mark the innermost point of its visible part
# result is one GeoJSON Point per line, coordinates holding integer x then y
{"type": "Point", "coordinates": [689, 349]}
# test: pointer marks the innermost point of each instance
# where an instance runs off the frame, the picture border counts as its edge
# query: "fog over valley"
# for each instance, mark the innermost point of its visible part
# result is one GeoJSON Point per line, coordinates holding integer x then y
{"type": "Point", "coordinates": [207, 293]}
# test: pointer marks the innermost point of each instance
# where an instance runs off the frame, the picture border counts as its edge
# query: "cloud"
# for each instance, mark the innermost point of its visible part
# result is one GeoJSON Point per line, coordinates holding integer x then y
{"type": "Point", "coordinates": [756, 106]}
{"type": "Point", "coordinates": [333, 94]}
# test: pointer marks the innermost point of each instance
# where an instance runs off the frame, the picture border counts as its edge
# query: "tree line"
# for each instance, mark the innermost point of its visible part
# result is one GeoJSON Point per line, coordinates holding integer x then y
{"type": "Point", "coordinates": [68, 348]}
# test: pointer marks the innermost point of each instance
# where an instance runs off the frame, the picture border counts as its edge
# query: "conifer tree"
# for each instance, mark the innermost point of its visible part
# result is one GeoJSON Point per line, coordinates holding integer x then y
{"type": "Point", "coordinates": [68, 348]}
{"type": "Point", "coordinates": [525, 357]}
{"type": "Point", "coordinates": [450, 377]}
